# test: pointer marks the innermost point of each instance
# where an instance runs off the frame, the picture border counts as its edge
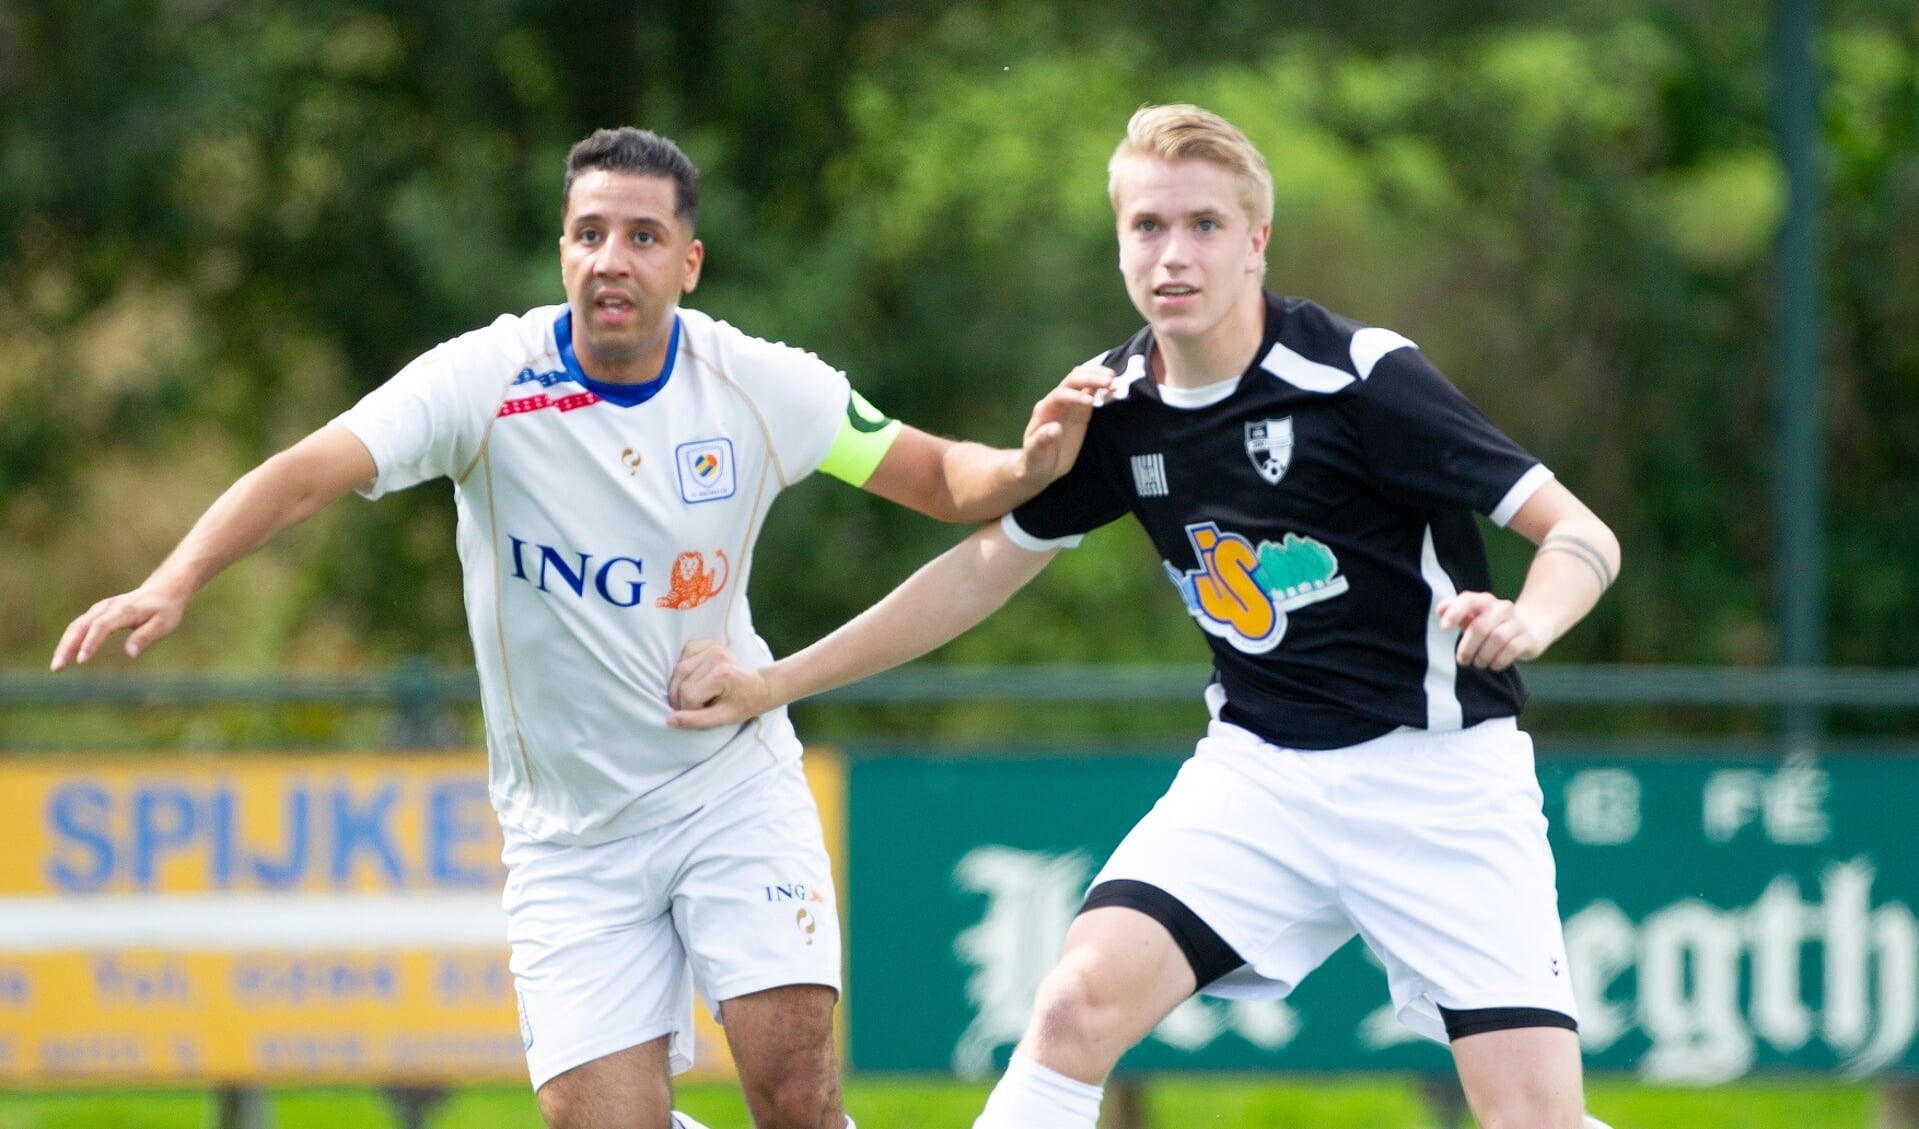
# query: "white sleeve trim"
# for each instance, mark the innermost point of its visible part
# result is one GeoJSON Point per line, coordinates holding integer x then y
{"type": "Point", "coordinates": [1523, 490]}
{"type": "Point", "coordinates": [1034, 544]}
{"type": "Point", "coordinates": [1215, 696]}
{"type": "Point", "coordinates": [1372, 343]}
{"type": "Point", "coordinates": [1302, 373]}
{"type": "Point", "coordinates": [373, 490]}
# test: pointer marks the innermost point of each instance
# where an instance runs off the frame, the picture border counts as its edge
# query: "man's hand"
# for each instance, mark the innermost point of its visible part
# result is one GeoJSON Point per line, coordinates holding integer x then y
{"type": "Point", "coordinates": [711, 689]}
{"type": "Point", "coordinates": [285, 490]}
{"type": "Point", "coordinates": [148, 613]}
{"type": "Point", "coordinates": [1495, 632]}
{"type": "Point", "coordinates": [1058, 426]}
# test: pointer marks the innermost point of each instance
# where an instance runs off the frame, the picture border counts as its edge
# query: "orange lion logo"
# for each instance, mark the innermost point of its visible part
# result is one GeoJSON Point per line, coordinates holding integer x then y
{"type": "Point", "coordinates": [692, 584]}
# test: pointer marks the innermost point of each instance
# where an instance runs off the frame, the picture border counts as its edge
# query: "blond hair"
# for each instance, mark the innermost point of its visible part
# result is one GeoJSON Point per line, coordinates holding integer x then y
{"type": "Point", "coordinates": [1184, 132]}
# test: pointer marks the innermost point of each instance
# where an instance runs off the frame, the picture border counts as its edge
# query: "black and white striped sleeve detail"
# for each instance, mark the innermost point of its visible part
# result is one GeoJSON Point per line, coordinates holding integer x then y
{"type": "Point", "coordinates": [1080, 501]}
{"type": "Point", "coordinates": [1521, 493]}
{"type": "Point", "coordinates": [1010, 526]}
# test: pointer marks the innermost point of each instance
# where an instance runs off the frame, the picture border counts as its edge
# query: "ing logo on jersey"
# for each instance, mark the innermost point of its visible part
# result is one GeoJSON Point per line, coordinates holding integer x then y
{"type": "Point", "coordinates": [692, 583]}
{"type": "Point", "coordinates": [1241, 594]}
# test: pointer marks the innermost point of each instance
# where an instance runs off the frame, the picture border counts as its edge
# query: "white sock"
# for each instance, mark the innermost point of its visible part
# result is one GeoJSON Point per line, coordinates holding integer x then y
{"type": "Point", "coordinates": [1031, 1096]}
{"type": "Point", "coordinates": [849, 1122]}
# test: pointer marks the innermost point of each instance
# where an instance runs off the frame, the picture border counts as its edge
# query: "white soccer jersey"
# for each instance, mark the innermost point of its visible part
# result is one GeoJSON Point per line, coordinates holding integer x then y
{"type": "Point", "coordinates": [597, 538]}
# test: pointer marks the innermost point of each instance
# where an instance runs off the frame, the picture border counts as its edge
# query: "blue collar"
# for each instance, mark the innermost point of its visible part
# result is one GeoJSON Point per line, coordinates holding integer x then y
{"type": "Point", "coordinates": [624, 395]}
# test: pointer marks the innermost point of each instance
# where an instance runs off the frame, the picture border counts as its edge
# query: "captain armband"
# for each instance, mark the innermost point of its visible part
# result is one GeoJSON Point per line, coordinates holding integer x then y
{"type": "Point", "coordinates": [865, 435]}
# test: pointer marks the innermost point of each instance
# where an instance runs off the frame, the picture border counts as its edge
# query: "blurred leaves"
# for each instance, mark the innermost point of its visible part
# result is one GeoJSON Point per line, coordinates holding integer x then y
{"type": "Point", "coordinates": [221, 222]}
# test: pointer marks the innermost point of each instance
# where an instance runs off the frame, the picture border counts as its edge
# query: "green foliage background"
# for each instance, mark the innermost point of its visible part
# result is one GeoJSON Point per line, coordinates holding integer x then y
{"type": "Point", "coordinates": [221, 222]}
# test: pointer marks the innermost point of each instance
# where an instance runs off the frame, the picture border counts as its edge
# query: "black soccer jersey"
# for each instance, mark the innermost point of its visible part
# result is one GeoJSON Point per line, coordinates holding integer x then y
{"type": "Point", "coordinates": [1312, 515]}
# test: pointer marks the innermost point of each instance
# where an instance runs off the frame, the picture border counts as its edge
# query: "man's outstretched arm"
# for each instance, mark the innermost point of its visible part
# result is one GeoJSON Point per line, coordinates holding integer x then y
{"type": "Point", "coordinates": [934, 606]}
{"type": "Point", "coordinates": [283, 491]}
{"type": "Point", "coordinates": [970, 482]}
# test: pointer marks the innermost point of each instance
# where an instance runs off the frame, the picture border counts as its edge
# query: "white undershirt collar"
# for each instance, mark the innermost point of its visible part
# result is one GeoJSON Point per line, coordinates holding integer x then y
{"type": "Point", "coordinates": [1205, 396]}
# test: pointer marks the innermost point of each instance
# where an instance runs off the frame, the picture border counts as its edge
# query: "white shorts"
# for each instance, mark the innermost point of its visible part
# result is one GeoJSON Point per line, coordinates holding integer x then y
{"type": "Point", "coordinates": [610, 940]}
{"type": "Point", "coordinates": [1430, 845]}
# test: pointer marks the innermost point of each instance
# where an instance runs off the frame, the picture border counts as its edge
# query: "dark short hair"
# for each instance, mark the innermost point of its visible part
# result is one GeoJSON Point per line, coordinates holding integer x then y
{"type": "Point", "coordinates": [640, 152]}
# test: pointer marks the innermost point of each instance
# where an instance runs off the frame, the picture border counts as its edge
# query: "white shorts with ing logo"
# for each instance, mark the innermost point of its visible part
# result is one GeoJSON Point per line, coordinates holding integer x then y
{"type": "Point", "coordinates": [610, 940]}
{"type": "Point", "coordinates": [1430, 845]}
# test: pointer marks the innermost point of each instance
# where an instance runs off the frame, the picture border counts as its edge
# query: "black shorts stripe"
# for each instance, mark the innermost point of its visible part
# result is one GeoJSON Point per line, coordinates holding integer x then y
{"type": "Point", "coordinates": [1206, 951]}
{"type": "Point", "coordinates": [1478, 1021]}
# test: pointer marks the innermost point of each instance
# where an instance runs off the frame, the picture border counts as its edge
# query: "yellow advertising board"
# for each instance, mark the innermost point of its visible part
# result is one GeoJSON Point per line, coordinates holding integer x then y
{"type": "Point", "coordinates": [259, 918]}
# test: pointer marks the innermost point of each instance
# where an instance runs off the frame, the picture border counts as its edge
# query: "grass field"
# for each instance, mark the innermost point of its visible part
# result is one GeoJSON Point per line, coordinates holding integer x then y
{"type": "Point", "coordinates": [1172, 1104]}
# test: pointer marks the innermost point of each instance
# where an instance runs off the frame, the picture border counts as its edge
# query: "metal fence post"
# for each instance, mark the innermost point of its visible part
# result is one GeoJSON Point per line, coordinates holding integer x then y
{"type": "Point", "coordinates": [416, 702]}
{"type": "Point", "coordinates": [1898, 1103]}
{"type": "Point", "coordinates": [1801, 425]}
{"type": "Point", "coordinates": [1124, 1106]}
{"type": "Point", "coordinates": [1445, 1097]}
{"type": "Point", "coordinates": [412, 1105]}
{"type": "Point", "coordinates": [418, 723]}
{"type": "Point", "coordinates": [241, 1107]}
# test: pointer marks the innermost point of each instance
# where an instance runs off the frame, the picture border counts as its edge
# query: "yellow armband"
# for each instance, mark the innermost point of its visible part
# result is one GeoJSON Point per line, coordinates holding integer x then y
{"type": "Point", "coordinates": [864, 437]}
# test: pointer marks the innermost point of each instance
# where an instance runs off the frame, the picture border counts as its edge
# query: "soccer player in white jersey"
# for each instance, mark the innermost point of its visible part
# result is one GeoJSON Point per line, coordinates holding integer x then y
{"type": "Point", "coordinates": [613, 460]}
{"type": "Point", "coordinates": [1309, 483]}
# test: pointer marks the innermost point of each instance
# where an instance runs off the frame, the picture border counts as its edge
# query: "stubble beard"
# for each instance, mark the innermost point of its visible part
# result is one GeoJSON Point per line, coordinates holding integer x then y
{"type": "Point", "coordinates": [616, 352]}
{"type": "Point", "coordinates": [615, 349]}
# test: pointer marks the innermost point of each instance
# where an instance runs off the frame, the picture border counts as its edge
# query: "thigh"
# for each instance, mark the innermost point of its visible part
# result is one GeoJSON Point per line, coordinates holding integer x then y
{"type": "Point", "coordinates": [1120, 972]}
{"type": "Point", "coordinates": [597, 964]}
{"type": "Point", "coordinates": [755, 901]}
{"type": "Point", "coordinates": [1522, 1076]}
{"type": "Point", "coordinates": [627, 1089]}
{"type": "Point", "coordinates": [782, 1043]}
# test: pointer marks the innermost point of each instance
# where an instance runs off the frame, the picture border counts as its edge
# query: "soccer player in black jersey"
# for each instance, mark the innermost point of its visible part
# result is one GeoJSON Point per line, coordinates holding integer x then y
{"type": "Point", "coordinates": [1310, 484]}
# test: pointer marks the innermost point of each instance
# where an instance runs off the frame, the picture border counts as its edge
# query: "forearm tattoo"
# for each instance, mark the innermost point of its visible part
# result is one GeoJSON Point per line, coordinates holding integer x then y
{"type": "Point", "coordinates": [1574, 547]}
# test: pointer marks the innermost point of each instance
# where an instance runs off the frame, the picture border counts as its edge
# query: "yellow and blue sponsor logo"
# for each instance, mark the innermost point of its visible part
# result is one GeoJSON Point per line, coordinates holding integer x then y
{"type": "Point", "coordinates": [1241, 592]}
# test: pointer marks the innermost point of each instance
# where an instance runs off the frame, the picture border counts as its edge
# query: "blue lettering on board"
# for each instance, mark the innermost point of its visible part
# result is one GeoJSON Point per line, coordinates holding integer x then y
{"type": "Point", "coordinates": [79, 813]}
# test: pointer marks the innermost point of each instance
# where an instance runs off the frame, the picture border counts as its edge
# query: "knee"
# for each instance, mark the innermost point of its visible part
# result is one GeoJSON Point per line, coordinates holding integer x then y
{"type": "Point", "coordinates": [1073, 1003]}
{"type": "Point", "coordinates": [568, 1109]}
{"type": "Point", "coordinates": [1538, 1117]}
{"type": "Point", "coordinates": [801, 1100]}
{"type": "Point", "coordinates": [1532, 1109]}
{"type": "Point", "coordinates": [570, 1103]}
{"type": "Point", "coordinates": [558, 1106]}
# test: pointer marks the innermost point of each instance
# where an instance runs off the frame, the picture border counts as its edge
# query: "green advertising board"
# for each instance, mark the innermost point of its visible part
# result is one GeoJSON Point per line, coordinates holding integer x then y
{"type": "Point", "coordinates": [1722, 917]}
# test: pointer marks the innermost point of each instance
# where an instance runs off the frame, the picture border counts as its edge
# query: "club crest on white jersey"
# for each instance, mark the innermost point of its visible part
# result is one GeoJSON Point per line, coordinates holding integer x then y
{"type": "Point", "coordinates": [706, 470]}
